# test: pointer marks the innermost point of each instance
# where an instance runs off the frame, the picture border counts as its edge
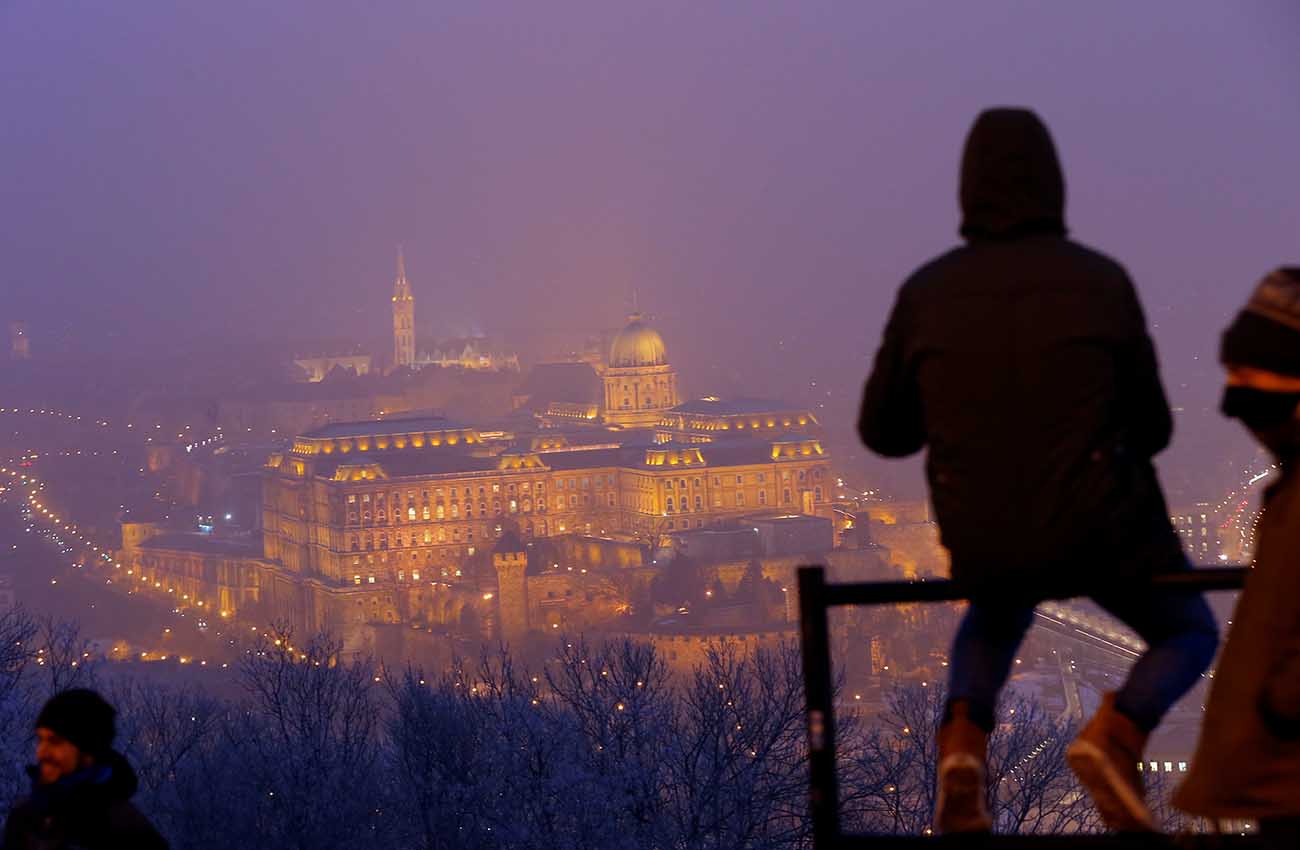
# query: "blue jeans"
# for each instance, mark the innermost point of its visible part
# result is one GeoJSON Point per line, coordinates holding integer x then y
{"type": "Point", "coordinates": [1179, 630]}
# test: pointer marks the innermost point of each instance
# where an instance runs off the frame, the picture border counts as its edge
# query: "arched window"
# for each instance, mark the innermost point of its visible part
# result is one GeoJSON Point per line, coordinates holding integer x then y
{"type": "Point", "coordinates": [668, 504]}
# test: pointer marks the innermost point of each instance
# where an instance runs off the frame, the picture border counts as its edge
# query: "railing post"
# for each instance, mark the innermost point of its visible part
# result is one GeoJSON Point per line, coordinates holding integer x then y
{"type": "Point", "coordinates": [823, 797]}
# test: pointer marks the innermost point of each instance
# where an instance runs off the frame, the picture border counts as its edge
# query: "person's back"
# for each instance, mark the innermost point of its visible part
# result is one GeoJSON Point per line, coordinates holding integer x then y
{"type": "Point", "coordinates": [1032, 380]}
{"type": "Point", "coordinates": [1022, 361]}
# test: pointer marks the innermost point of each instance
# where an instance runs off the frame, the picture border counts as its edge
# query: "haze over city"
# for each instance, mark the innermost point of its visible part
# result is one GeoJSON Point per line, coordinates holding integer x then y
{"type": "Point", "coordinates": [400, 333]}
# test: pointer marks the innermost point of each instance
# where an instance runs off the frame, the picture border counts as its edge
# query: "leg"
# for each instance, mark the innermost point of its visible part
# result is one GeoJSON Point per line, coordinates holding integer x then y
{"type": "Point", "coordinates": [1181, 638]}
{"type": "Point", "coordinates": [981, 656]}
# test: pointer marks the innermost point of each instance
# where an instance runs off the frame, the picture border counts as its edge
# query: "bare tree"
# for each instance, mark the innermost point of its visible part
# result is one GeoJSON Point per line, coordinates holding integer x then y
{"type": "Point", "coordinates": [1030, 786]}
{"type": "Point", "coordinates": [308, 740]}
{"type": "Point", "coordinates": [737, 775]}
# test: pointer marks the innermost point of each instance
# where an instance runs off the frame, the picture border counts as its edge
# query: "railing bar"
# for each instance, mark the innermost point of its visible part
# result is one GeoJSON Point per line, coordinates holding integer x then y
{"type": "Point", "coordinates": [824, 796]}
{"type": "Point", "coordinates": [944, 590]}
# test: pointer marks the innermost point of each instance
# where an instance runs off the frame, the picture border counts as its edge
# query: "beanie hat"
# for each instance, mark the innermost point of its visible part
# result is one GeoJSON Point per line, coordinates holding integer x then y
{"type": "Point", "coordinates": [1266, 333]}
{"type": "Point", "coordinates": [82, 717]}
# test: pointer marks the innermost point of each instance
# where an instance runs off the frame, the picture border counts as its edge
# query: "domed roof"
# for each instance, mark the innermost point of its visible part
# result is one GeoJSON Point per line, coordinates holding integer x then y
{"type": "Point", "coordinates": [638, 344]}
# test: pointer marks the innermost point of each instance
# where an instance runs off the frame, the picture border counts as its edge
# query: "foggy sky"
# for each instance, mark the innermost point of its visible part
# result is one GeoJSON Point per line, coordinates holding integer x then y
{"type": "Point", "coordinates": [763, 174]}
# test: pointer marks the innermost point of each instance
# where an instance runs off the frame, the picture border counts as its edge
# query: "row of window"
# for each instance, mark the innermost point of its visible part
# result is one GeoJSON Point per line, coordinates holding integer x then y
{"type": "Point", "coordinates": [371, 541]}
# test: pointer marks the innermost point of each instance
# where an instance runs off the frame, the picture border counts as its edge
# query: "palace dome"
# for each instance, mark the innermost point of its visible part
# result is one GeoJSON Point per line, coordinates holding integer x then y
{"type": "Point", "coordinates": [637, 344]}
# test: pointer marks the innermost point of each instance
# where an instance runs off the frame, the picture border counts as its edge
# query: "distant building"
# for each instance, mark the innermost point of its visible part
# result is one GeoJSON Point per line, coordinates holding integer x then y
{"type": "Point", "coordinates": [475, 353]}
{"type": "Point", "coordinates": [640, 385]}
{"type": "Point", "coordinates": [316, 367]}
{"type": "Point", "coordinates": [632, 388]}
{"type": "Point", "coordinates": [542, 521]}
{"type": "Point", "coordinates": [1197, 526]}
{"type": "Point", "coordinates": [19, 345]}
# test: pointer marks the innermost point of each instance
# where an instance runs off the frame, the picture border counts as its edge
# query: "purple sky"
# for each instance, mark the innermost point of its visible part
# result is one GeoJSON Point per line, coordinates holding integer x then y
{"type": "Point", "coordinates": [764, 179]}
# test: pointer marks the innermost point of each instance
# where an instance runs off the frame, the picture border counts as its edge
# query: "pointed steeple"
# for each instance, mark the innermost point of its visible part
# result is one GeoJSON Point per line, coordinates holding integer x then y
{"type": "Point", "coordinates": [403, 316]}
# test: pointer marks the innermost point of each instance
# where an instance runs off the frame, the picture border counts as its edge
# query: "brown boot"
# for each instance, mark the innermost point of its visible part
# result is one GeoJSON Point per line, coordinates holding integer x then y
{"type": "Point", "coordinates": [962, 805]}
{"type": "Point", "coordinates": [1105, 757]}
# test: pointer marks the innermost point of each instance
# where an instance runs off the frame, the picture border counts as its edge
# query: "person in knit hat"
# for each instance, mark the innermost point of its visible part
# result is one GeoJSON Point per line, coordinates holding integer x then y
{"type": "Point", "coordinates": [1247, 764]}
{"type": "Point", "coordinates": [81, 787]}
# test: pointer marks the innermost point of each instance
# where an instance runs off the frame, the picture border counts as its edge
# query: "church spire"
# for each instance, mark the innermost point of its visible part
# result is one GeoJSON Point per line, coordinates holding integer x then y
{"type": "Point", "coordinates": [403, 316]}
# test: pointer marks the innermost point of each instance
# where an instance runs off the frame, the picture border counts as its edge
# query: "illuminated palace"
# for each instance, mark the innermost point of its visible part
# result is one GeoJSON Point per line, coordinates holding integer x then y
{"type": "Point", "coordinates": [415, 519]}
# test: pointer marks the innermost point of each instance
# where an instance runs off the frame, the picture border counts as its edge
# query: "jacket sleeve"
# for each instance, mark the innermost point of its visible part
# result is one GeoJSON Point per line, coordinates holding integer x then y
{"type": "Point", "coordinates": [1144, 408]}
{"type": "Point", "coordinates": [891, 422]}
{"type": "Point", "coordinates": [1279, 701]}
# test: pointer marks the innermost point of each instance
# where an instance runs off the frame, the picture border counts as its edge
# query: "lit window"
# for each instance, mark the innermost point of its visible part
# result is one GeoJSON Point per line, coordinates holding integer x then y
{"type": "Point", "coordinates": [371, 579]}
{"type": "Point", "coordinates": [356, 579]}
{"type": "Point", "coordinates": [415, 575]}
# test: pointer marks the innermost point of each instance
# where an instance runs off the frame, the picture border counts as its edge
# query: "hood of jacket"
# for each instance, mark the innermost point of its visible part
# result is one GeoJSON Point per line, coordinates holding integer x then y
{"type": "Point", "coordinates": [1011, 181]}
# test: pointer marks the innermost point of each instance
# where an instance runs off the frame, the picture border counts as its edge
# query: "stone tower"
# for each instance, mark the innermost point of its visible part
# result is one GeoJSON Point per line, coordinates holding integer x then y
{"type": "Point", "coordinates": [511, 562]}
{"type": "Point", "coordinates": [403, 317]}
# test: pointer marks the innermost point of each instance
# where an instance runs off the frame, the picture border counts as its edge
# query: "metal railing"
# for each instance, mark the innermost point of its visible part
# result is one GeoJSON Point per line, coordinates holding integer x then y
{"type": "Point", "coordinates": [817, 596]}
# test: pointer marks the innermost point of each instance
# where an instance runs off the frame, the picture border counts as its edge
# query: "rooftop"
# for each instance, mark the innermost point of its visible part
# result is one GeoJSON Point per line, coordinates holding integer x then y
{"type": "Point", "coordinates": [713, 406]}
{"type": "Point", "coordinates": [381, 427]}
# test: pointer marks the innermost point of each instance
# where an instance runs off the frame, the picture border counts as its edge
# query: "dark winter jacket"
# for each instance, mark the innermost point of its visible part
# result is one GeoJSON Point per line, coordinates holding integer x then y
{"type": "Point", "coordinates": [90, 809]}
{"type": "Point", "coordinates": [1022, 361]}
{"type": "Point", "coordinates": [1248, 762]}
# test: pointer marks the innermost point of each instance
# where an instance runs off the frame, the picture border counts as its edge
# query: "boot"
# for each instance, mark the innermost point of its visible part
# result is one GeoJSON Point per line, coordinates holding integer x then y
{"type": "Point", "coordinates": [962, 805]}
{"type": "Point", "coordinates": [1105, 757]}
